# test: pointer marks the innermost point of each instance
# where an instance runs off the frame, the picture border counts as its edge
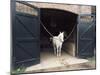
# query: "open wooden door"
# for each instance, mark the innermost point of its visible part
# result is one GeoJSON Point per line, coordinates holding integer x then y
{"type": "Point", "coordinates": [25, 34]}
{"type": "Point", "coordinates": [86, 35]}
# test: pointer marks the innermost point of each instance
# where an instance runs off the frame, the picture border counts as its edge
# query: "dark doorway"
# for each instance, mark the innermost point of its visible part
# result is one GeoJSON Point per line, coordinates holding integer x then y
{"type": "Point", "coordinates": [56, 21]}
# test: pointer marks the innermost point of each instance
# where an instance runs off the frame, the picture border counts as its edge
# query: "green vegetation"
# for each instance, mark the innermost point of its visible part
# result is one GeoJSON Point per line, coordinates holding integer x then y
{"type": "Point", "coordinates": [21, 69]}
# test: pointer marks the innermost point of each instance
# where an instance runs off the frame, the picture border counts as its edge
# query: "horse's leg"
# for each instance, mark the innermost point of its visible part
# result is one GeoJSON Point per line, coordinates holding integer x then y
{"type": "Point", "coordinates": [60, 50]}
{"type": "Point", "coordinates": [57, 51]}
{"type": "Point", "coordinates": [54, 49]}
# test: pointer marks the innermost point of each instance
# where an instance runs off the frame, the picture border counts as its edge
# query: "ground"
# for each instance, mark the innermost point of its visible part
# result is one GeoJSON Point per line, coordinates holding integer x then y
{"type": "Point", "coordinates": [50, 63]}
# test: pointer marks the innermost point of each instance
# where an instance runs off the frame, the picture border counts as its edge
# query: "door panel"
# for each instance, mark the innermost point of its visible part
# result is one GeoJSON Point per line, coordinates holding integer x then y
{"type": "Point", "coordinates": [26, 35]}
{"type": "Point", "coordinates": [86, 35]}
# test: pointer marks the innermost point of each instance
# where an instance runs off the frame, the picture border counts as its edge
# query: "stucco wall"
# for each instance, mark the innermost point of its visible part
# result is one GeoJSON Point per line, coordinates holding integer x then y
{"type": "Point", "coordinates": [78, 9]}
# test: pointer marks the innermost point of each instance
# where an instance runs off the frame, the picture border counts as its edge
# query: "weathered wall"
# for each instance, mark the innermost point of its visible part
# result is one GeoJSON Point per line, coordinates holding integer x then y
{"type": "Point", "coordinates": [78, 9]}
{"type": "Point", "coordinates": [69, 47]}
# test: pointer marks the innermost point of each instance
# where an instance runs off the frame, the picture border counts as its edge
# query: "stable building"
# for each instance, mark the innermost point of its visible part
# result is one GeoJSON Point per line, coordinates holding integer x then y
{"type": "Point", "coordinates": [30, 38]}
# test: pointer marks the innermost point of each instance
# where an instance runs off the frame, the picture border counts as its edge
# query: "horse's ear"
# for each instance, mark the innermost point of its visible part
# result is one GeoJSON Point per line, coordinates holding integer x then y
{"type": "Point", "coordinates": [59, 32]}
{"type": "Point", "coordinates": [63, 32]}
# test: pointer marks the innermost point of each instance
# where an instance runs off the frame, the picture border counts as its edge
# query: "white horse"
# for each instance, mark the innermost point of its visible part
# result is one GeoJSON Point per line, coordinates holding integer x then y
{"type": "Point", "coordinates": [57, 43]}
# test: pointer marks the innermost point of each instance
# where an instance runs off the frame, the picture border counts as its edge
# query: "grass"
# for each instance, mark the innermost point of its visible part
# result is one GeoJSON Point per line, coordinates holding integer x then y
{"type": "Point", "coordinates": [16, 71]}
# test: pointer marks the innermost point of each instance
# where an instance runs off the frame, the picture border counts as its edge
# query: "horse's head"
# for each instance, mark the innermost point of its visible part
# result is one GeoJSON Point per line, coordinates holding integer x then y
{"type": "Point", "coordinates": [61, 36]}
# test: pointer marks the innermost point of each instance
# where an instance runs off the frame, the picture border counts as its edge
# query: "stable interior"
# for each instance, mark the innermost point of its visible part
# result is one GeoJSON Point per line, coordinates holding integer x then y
{"type": "Point", "coordinates": [57, 21]}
